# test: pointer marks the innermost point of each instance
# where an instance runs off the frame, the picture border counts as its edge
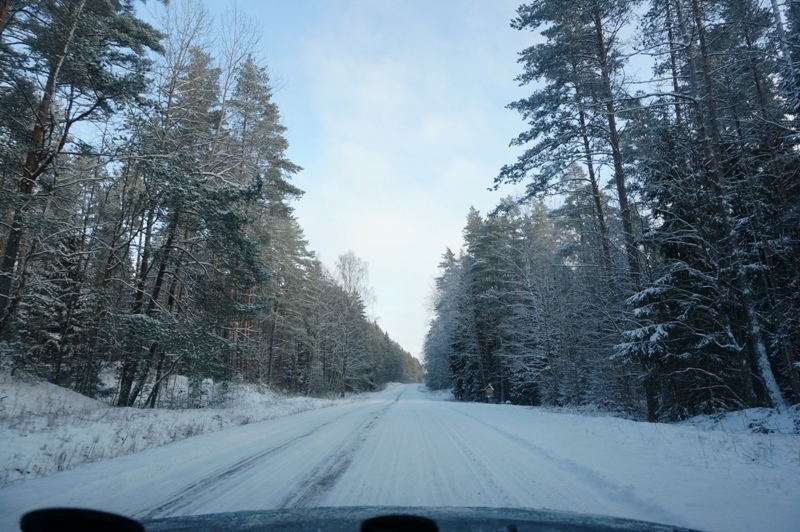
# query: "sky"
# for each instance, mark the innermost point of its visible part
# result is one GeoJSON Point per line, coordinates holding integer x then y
{"type": "Point", "coordinates": [395, 109]}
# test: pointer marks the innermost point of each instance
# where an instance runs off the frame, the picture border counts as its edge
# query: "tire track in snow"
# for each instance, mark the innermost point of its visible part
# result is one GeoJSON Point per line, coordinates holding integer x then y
{"type": "Point", "coordinates": [420, 454]}
{"type": "Point", "coordinates": [605, 489]}
{"type": "Point", "coordinates": [188, 494]}
{"type": "Point", "coordinates": [494, 491]}
{"type": "Point", "coordinates": [324, 476]}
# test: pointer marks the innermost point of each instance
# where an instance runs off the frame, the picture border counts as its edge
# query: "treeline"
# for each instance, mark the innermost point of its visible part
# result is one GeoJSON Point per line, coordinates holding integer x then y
{"type": "Point", "coordinates": [146, 213]}
{"type": "Point", "coordinates": [667, 284]}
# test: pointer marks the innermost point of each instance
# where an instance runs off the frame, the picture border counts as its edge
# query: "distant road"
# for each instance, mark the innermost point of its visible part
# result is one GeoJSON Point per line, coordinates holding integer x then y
{"type": "Point", "coordinates": [401, 448]}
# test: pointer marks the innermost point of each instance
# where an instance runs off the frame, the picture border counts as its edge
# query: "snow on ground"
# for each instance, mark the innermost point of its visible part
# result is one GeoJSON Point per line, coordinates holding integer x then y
{"type": "Point", "coordinates": [755, 420]}
{"type": "Point", "coordinates": [45, 428]}
{"type": "Point", "coordinates": [25, 395]}
{"type": "Point", "coordinates": [407, 447]}
{"type": "Point", "coordinates": [438, 395]}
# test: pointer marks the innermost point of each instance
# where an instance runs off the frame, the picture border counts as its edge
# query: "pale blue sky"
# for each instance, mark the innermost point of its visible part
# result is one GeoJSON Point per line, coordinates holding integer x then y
{"type": "Point", "coordinates": [396, 111]}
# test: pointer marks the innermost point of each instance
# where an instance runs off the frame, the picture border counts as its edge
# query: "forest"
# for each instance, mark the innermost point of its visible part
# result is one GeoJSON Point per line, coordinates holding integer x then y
{"type": "Point", "coordinates": [147, 227]}
{"type": "Point", "coordinates": [652, 265]}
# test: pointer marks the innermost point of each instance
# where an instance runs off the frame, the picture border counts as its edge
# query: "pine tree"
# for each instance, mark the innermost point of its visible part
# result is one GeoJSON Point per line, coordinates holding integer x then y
{"type": "Point", "coordinates": [88, 56]}
{"type": "Point", "coordinates": [576, 112]}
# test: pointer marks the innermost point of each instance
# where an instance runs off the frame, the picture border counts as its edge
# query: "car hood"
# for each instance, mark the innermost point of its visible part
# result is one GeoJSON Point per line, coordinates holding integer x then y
{"type": "Point", "coordinates": [446, 518]}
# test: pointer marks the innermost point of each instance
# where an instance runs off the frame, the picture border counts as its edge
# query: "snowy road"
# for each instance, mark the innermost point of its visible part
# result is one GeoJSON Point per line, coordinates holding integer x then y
{"type": "Point", "coordinates": [399, 447]}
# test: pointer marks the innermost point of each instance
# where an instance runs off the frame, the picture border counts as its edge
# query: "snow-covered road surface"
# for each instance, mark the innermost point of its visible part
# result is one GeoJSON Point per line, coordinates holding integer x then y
{"type": "Point", "coordinates": [401, 448]}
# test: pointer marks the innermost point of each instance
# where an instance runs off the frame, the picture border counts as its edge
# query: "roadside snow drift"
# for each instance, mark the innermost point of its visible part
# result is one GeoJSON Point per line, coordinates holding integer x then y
{"type": "Point", "coordinates": [45, 429]}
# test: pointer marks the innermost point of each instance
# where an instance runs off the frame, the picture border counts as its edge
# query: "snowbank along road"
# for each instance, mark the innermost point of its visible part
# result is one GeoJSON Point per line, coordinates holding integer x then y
{"type": "Point", "coordinates": [400, 447]}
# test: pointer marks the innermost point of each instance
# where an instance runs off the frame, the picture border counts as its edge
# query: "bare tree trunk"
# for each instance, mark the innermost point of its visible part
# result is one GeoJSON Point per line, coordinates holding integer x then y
{"type": "Point", "coordinates": [271, 349]}
{"type": "Point", "coordinates": [776, 15]}
{"type": "Point", "coordinates": [3, 16]}
{"type": "Point", "coordinates": [673, 60]}
{"type": "Point", "coordinates": [596, 196]}
{"type": "Point", "coordinates": [151, 399]}
{"type": "Point", "coordinates": [130, 368]}
{"type": "Point", "coordinates": [631, 251]}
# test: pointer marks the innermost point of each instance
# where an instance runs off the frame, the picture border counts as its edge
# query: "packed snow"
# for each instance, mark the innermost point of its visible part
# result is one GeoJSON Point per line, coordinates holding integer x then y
{"type": "Point", "coordinates": [407, 447]}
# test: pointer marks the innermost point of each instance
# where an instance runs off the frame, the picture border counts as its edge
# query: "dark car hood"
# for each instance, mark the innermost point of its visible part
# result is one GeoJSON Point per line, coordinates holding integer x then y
{"type": "Point", "coordinates": [447, 518]}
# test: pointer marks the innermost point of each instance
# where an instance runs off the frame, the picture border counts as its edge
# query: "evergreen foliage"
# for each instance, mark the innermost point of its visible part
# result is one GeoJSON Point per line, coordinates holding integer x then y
{"type": "Point", "coordinates": [167, 245]}
{"type": "Point", "coordinates": [677, 295]}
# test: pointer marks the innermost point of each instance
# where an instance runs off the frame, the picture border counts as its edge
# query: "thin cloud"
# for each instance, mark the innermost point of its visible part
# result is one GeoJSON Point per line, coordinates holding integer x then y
{"type": "Point", "coordinates": [396, 112]}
